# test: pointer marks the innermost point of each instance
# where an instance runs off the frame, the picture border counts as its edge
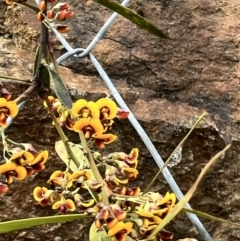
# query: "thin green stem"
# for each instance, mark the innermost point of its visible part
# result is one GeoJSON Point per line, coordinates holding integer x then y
{"type": "Point", "coordinates": [93, 167]}
{"type": "Point", "coordinates": [60, 132]}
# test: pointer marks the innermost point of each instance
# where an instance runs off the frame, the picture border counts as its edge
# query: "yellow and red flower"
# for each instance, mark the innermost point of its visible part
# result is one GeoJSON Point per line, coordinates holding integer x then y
{"type": "Point", "coordinates": [62, 179]}
{"type": "Point", "coordinates": [22, 158]}
{"type": "Point", "coordinates": [85, 109]}
{"type": "Point", "coordinates": [7, 109]}
{"type": "Point", "coordinates": [13, 171]}
{"type": "Point", "coordinates": [108, 109]}
{"type": "Point", "coordinates": [88, 126]}
{"type": "Point", "coordinates": [43, 195]}
{"type": "Point", "coordinates": [120, 230]}
{"type": "Point", "coordinates": [64, 205]}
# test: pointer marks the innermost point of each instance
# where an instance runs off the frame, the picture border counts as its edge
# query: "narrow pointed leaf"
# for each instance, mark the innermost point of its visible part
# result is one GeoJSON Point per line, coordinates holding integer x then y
{"type": "Point", "coordinates": [31, 222]}
{"type": "Point", "coordinates": [61, 89]}
{"type": "Point", "coordinates": [133, 17]}
{"type": "Point", "coordinates": [188, 195]}
{"type": "Point", "coordinates": [207, 216]}
{"type": "Point", "coordinates": [36, 61]}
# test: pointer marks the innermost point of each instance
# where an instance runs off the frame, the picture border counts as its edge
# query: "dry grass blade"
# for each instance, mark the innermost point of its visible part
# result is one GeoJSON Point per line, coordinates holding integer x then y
{"type": "Point", "coordinates": [188, 196]}
{"type": "Point", "coordinates": [175, 150]}
{"type": "Point", "coordinates": [207, 216]}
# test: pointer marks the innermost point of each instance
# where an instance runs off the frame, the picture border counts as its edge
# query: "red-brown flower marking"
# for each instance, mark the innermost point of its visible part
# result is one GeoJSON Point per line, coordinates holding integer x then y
{"type": "Point", "coordinates": [108, 108]}
{"type": "Point", "coordinates": [134, 191]}
{"type": "Point", "coordinates": [37, 164]}
{"type": "Point", "coordinates": [13, 171]}
{"type": "Point", "coordinates": [62, 179]}
{"type": "Point", "coordinates": [64, 205]}
{"type": "Point", "coordinates": [3, 188]}
{"type": "Point", "coordinates": [165, 235]}
{"type": "Point", "coordinates": [22, 158]}
{"type": "Point", "coordinates": [85, 109]}
{"type": "Point", "coordinates": [102, 139]}
{"type": "Point", "coordinates": [131, 159]}
{"type": "Point", "coordinates": [88, 126]}
{"type": "Point", "coordinates": [7, 109]}
{"type": "Point", "coordinates": [43, 195]}
{"type": "Point", "coordinates": [120, 230]}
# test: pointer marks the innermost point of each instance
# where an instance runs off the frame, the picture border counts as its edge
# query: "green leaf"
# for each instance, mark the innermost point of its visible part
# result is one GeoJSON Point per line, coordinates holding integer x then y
{"type": "Point", "coordinates": [77, 152]}
{"type": "Point", "coordinates": [188, 195]}
{"type": "Point", "coordinates": [133, 17]}
{"type": "Point", "coordinates": [45, 76]}
{"type": "Point", "coordinates": [36, 61]}
{"type": "Point", "coordinates": [97, 234]}
{"type": "Point", "coordinates": [31, 222]}
{"type": "Point", "coordinates": [61, 89]}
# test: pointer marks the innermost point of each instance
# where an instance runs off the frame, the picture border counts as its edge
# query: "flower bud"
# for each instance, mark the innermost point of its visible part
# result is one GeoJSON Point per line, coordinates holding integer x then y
{"type": "Point", "coordinates": [42, 6]}
{"type": "Point", "coordinates": [69, 14]}
{"type": "Point", "coordinates": [61, 15]}
{"type": "Point", "coordinates": [50, 14]}
{"type": "Point", "coordinates": [62, 28]}
{"type": "Point", "coordinates": [40, 16]}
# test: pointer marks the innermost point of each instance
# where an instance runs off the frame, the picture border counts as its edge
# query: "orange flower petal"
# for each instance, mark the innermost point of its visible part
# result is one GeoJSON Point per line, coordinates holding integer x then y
{"type": "Point", "coordinates": [78, 106]}
{"type": "Point", "coordinates": [107, 138]}
{"type": "Point", "coordinates": [41, 157]}
{"type": "Point", "coordinates": [95, 113]}
{"type": "Point", "coordinates": [21, 173]}
{"type": "Point", "coordinates": [165, 199]}
{"type": "Point", "coordinates": [110, 105]}
{"type": "Point", "coordinates": [76, 175]}
{"type": "Point", "coordinates": [144, 214]}
{"type": "Point", "coordinates": [13, 108]}
{"type": "Point", "coordinates": [70, 205]}
{"type": "Point", "coordinates": [116, 229]}
{"type": "Point", "coordinates": [38, 193]}
{"type": "Point", "coordinates": [128, 227]}
{"type": "Point", "coordinates": [10, 166]}
{"type": "Point", "coordinates": [133, 156]}
{"type": "Point", "coordinates": [111, 222]}
{"type": "Point", "coordinates": [3, 102]}
{"type": "Point", "coordinates": [57, 205]}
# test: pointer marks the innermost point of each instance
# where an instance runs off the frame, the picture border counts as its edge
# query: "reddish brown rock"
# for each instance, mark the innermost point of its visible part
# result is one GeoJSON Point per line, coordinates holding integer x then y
{"type": "Point", "coordinates": [167, 85]}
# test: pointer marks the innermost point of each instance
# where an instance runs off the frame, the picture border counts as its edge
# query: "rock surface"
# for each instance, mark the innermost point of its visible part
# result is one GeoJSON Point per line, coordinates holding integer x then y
{"type": "Point", "coordinates": [166, 83]}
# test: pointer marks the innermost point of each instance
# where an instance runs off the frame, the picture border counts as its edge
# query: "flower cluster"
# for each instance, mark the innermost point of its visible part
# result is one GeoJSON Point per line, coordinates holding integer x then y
{"type": "Point", "coordinates": [94, 119]}
{"type": "Point", "coordinates": [130, 213]}
{"type": "Point", "coordinates": [55, 16]}
{"type": "Point", "coordinates": [64, 193]}
{"type": "Point", "coordinates": [22, 164]}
